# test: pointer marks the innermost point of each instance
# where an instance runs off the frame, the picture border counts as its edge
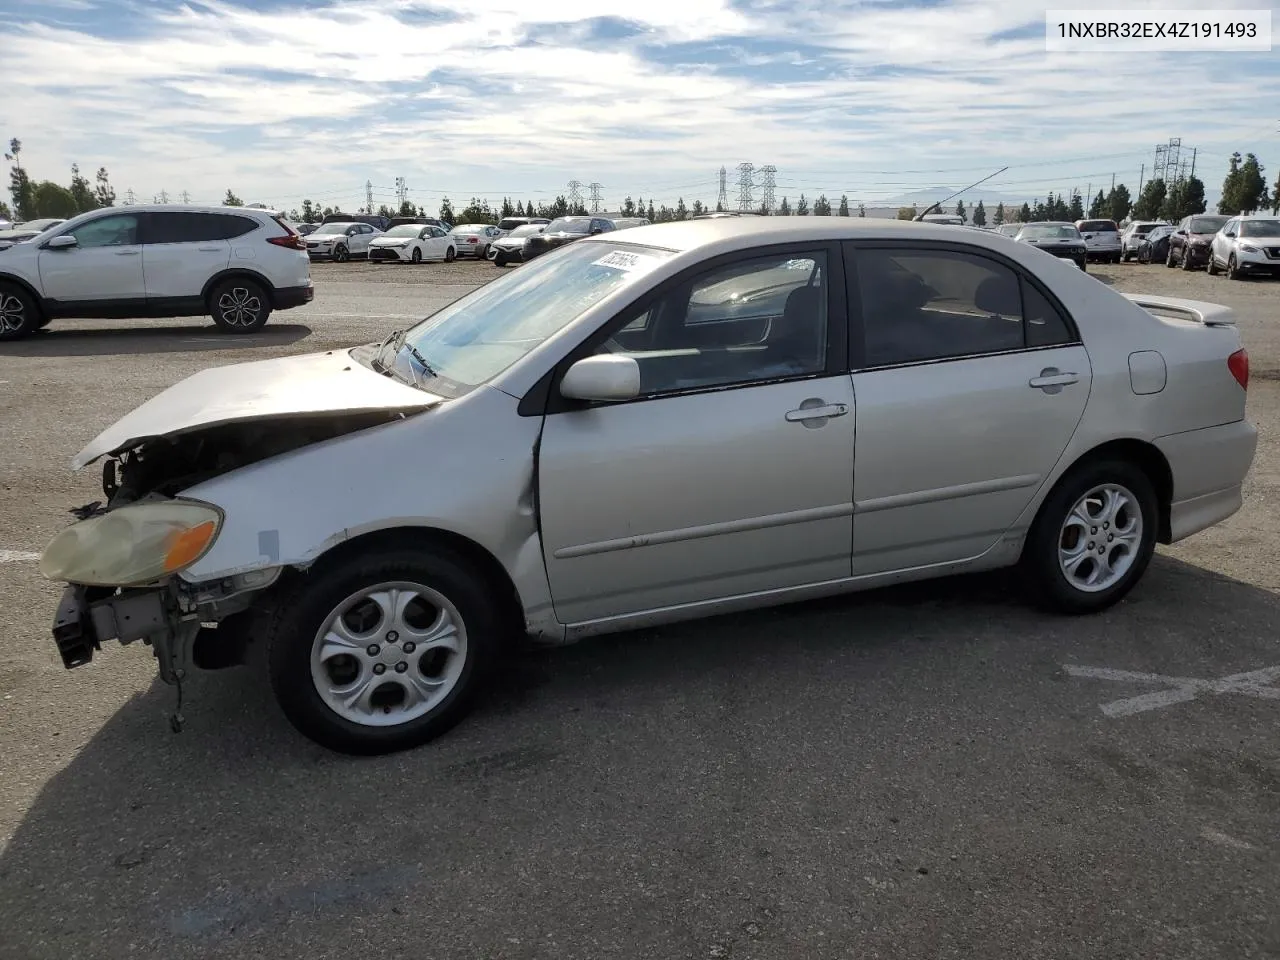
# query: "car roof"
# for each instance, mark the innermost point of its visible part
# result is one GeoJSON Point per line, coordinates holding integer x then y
{"type": "Point", "coordinates": [733, 233]}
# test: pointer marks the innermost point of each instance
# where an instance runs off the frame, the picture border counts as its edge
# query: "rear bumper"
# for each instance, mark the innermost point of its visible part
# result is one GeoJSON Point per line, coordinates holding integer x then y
{"type": "Point", "coordinates": [286, 298]}
{"type": "Point", "coordinates": [1209, 467]}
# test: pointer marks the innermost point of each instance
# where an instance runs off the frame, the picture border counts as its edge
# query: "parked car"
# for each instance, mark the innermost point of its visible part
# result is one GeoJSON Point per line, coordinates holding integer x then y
{"type": "Point", "coordinates": [1060, 239]}
{"type": "Point", "coordinates": [1154, 247]}
{"type": "Point", "coordinates": [39, 226]}
{"type": "Point", "coordinates": [1191, 239]}
{"type": "Point", "coordinates": [510, 248]}
{"type": "Point", "coordinates": [377, 221]}
{"type": "Point", "coordinates": [340, 241]}
{"type": "Point", "coordinates": [1246, 246]}
{"type": "Point", "coordinates": [1010, 411]}
{"type": "Point", "coordinates": [945, 219]}
{"type": "Point", "coordinates": [422, 221]}
{"type": "Point", "coordinates": [507, 224]}
{"type": "Point", "coordinates": [156, 261]}
{"type": "Point", "coordinates": [564, 230]}
{"type": "Point", "coordinates": [1132, 235]}
{"type": "Point", "coordinates": [9, 237]}
{"type": "Point", "coordinates": [1102, 237]}
{"type": "Point", "coordinates": [303, 229]}
{"type": "Point", "coordinates": [413, 243]}
{"type": "Point", "coordinates": [474, 239]}
{"type": "Point", "coordinates": [624, 223]}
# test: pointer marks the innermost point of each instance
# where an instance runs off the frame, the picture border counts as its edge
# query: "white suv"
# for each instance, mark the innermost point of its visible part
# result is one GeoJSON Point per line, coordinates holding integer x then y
{"type": "Point", "coordinates": [1246, 246]}
{"type": "Point", "coordinates": [1101, 239]}
{"type": "Point", "coordinates": [232, 263]}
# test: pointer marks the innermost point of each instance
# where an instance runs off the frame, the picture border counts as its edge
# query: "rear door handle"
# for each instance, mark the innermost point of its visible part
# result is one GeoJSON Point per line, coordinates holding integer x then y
{"type": "Point", "coordinates": [127, 253]}
{"type": "Point", "coordinates": [210, 249]}
{"type": "Point", "coordinates": [820, 411]}
{"type": "Point", "coordinates": [1053, 380]}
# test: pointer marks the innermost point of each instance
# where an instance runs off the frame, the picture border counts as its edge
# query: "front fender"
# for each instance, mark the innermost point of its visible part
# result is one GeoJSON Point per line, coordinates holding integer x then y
{"type": "Point", "coordinates": [466, 467]}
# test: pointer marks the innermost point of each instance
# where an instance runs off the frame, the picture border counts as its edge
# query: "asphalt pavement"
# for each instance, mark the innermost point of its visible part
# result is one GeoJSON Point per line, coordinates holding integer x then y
{"type": "Point", "coordinates": [933, 771]}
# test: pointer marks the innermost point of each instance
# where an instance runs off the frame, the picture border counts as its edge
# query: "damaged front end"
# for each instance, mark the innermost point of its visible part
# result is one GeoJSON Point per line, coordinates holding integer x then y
{"type": "Point", "coordinates": [122, 560]}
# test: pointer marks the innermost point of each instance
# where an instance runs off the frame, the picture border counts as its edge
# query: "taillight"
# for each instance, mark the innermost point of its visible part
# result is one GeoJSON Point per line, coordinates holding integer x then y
{"type": "Point", "coordinates": [292, 239]}
{"type": "Point", "coordinates": [472, 239]}
{"type": "Point", "coordinates": [1238, 364]}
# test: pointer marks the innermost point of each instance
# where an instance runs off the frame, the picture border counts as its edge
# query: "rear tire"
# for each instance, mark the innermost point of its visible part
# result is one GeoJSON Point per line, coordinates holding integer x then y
{"type": "Point", "coordinates": [1068, 565]}
{"type": "Point", "coordinates": [450, 255]}
{"type": "Point", "coordinates": [1186, 261]}
{"type": "Point", "coordinates": [319, 690]}
{"type": "Point", "coordinates": [1211, 267]}
{"type": "Point", "coordinates": [1233, 271]}
{"type": "Point", "coordinates": [416, 256]}
{"type": "Point", "coordinates": [239, 306]}
{"type": "Point", "coordinates": [19, 314]}
{"type": "Point", "coordinates": [341, 254]}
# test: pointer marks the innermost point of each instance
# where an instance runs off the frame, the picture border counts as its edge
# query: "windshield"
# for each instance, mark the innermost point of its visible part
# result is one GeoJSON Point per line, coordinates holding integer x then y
{"type": "Point", "coordinates": [334, 227]}
{"type": "Point", "coordinates": [471, 228]}
{"type": "Point", "coordinates": [1206, 224]}
{"type": "Point", "coordinates": [476, 338]}
{"type": "Point", "coordinates": [1158, 232]}
{"type": "Point", "coordinates": [1142, 229]}
{"type": "Point", "coordinates": [404, 230]}
{"type": "Point", "coordinates": [1049, 232]}
{"type": "Point", "coordinates": [527, 230]}
{"type": "Point", "coordinates": [1098, 226]}
{"type": "Point", "coordinates": [1260, 228]}
{"type": "Point", "coordinates": [569, 225]}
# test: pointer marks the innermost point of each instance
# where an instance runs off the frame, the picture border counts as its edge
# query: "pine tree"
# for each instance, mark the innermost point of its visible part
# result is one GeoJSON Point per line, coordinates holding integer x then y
{"type": "Point", "coordinates": [231, 200]}
{"type": "Point", "coordinates": [81, 192]}
{"type": "Point", "coordinates": [446, 211]}
{"type": "Point", "coordinates": [784, 208]}
{"type": "Point", "coordinates": [960, 209]}
{"type": "Point", "coordinates": [998, 219]}
{"type": "Point", "coordinates": [802, 207]}
{"type": "Point", "coordinates": [1229, 205]}
{"type": "Point", "coordinates": [1119, 203]}
{"type": "Point", "coordinates": [649, 214]}
{"type": "Point", "coordinates": [979, 215]}
{"type": "Point", "coordinates": [1024, 215]}
{"type": "Point", "coordinates": [103, 193]}
{"type": "Point", "coordinates": [1076, 211]}
{"type": "Point", "coordinates": [822, 206]}
{"type": "Point", "coordinates": [844, 205]}
{"type": "Point", "coordinates": [1098, 209]}
{"type": "Point", "coordinates": [682, 212]}
{"type": "Point", "coordinates": [862, 210]}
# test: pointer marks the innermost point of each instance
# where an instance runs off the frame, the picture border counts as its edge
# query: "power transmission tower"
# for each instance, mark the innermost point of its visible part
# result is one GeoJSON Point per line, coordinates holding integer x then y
{"type": "Point", "coordinates": [402, 191]}
{"type": "Point", "coordinates": [722, 200]}
{"type": "Point", "coordinates": [163, 197]}
{"type": "Point", "coordinates": [745, 186]}
{"type": "Point", "coordinates": [596, 198]}
{"type": "Point", "coordinates": [768, 173]}
{"type": "Point", "coordinates": [368, 196]}
{"type": "Point", "coordinates": [129, 199]}
{"type": "Point", "coordinates": [186, 197]}
{"type": "Point", "coordinates": [575, 194]}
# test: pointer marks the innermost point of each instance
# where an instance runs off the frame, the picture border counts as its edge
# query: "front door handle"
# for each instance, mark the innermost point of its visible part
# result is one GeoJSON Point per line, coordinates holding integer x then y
{"type": "Point", "coordinates": [127, 253]}
{"type": "Point", "coordinates": [210, 249]}
{"type": "Point", "coordinates": [813, 411]}
{"type": "Point", "coordinates": [1052, 380]}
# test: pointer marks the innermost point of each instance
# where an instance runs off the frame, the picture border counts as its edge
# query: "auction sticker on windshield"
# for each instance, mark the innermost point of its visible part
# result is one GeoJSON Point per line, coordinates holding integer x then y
{"type": "Point", "coordinates": [628, 262]}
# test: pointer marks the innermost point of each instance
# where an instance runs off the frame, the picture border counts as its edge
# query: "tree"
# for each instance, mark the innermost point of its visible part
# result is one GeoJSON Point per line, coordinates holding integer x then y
{"type": "Point", "coordinates": [384, 211]}
{"type": "Point", "coordinates": [477, 211]}
{"type": "Point", "coordinates": [1076, 210]}
{"type": "Point", "coordinates": [1098, 208]}
{"type": "Point", "coordinates": [998, 219]}
{"type": "Point", "coordinates": [20, 187]}
{"type": "Point", "coordinates": [5, 212]}
{"type": "Point", "coordinates": [1024, 214]}
{"type": "Point", "coordinates": [844, 205]}
{"type": "Point", "coordinates": [822, 206]}
{"type": "Point", "coordinates": [979, 215]}
{"type": "Point", "coordinates": [802, 207]}
{"type": "Point", "coordinates": [407, 209]}
{"type": "Point", "coordinates": [698, 208]}
{"type": "Point", "coordinates": [639, 206]}
{"type": "Point", "coordinates": [960, 209]}
{"type": "Point", "coordinates": [81, 192]}
{"type": "Point", "coordinates": [1119, 203]}
{"type": "Point", "coordinates": [907, 213]}
{"type": "Point", "coordinates": [446, 211]}
{"type": "Point", "coordinates": [682, 212]}
{"type": "Point", "coordinates": [1275, 197]}
{"type": "Point", "coordinates": [1253, 188]}
{"type": "Point", "coordinates": [1150, 202]}
{"type": "Point", "coordinates": [1184, 199]}
{"type": "Point", "coordinates": [308, 212]}
{"type": "Point", "coordinates": [103, 194]}
{"type": "Point", "coordinates": [650, 214]}
{"type": "Point", "coordinates": [53, 200]}
{"type": "Point", "coordinates": [862, 210]}
{"type": "Point", "coordinates": [784, 208]}
{"type": "Point", "coordinates": [628, 207]}
{"type": "Point", "coordinates": [231, 200]}
{"type": "Point", "coordinates": [507, 209]}
{"type": "Point", "coordinates": [1229, 204]}
{"type": "Point", "coordinates": [529, 210]}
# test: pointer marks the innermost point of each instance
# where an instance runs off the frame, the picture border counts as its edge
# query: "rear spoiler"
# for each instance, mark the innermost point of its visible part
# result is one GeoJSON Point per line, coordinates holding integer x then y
{"type": "Point", "coordinates": [1176, 308]}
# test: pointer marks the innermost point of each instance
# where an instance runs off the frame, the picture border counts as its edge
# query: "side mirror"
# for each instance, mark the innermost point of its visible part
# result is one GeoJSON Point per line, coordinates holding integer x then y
{"type": "Point", "coordinates": [596, 230]}
{"type": "Point", "coordinates": [608, 377]}
{"type": "Point", "coordinates": [1230, 234]}
{"type": "Point", "coordinates": [64, 242]}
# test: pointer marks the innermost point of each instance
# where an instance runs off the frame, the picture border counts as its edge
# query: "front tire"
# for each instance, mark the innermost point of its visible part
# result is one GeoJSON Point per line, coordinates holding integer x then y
{"type": "Point", "coordinates": [239, 306]}
{"type": "Point", "coordinates": [384, 652]}
{"type": "Point", "coordinates": [341, 254]}
{"type": "Point", "coordinates": [1186, 260]}
{"type": "Point", "coordinates": [1093, 537]}
{"type": "Point", "coordinates": [499, 260]}
{"type": "Point", "coordinates": [19, 315]}
{"type": "Point", "coordinates": [416, 256]}
{"type": "Point", "coordinates": [1211, 267]}
{"type": "Point", "coordinates": [450, 255]}
{"type": "Point", "coordinates": [1233, 271]}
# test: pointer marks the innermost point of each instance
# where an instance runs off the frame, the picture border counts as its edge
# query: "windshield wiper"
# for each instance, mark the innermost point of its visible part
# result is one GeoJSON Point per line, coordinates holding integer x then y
{"type": "Point", "coordinates": [413, 352]}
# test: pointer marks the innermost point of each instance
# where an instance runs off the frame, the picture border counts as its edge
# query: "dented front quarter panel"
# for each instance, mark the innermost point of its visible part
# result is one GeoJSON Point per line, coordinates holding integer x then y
{"type": "Point", "coordinates": [466, 467]}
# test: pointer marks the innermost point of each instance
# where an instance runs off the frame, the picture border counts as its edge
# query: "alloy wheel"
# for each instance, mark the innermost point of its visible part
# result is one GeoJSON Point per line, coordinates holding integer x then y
{"type": "Point", "coordinates": [388, 654]}
{"type": "Point", "coordinates": [1100, 538]}
{"type": "Point", "coordinates": [13, 314]}
{"type": "Point", "coordinates": [239, 307]}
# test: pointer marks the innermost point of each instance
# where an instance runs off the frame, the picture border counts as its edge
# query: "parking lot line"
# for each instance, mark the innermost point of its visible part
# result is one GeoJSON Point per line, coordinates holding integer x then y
{"type": "Point", "coordinates": [1179, 689]}
{"type": "Point", "coordinates": [17, 556]}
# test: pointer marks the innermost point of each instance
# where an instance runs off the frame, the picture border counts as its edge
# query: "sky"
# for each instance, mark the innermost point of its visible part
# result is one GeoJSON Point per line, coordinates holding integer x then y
{"type": "Point", "coordinates": [279, 100]}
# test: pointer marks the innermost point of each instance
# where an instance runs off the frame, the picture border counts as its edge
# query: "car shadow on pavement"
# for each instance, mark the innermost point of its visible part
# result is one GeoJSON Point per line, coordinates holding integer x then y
{"type": "Point", "coordinates": [72, 342]}
{"type": "Point", "coordinates": [237, 832]}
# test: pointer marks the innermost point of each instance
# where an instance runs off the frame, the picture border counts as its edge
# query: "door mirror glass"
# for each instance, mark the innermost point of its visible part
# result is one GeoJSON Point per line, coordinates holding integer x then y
{"type": "Point", "coordinates": [609, 377]}
{"type": "Point", "coordinates": [1230, 233]}
{"type": "Point", "coordinates": [64, 242]}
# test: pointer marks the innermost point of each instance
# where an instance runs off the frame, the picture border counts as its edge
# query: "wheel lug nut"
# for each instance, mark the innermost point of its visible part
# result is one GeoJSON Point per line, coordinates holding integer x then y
{"type": "Point", "coordinates": [408, 647]}
{"type": "Point", "coordinates": [372, 650]}
{"type": "Point", "coordinates": [1092, 544]}
{"type": "Point", "coordinates": [1110, 537]}
{"type": "Point", "coordinates": [392, 636]}
{"type": "Point", "coordinates": [1093, 529]}
{"type": "Point", "coordinates": [401, 667]}
{"type": "Point", "coordinates": [379, 668]}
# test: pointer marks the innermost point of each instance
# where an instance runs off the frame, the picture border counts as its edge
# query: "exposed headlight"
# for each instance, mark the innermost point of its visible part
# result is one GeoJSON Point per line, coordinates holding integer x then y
{"type": "Point", "coordinates": [133, 545]}
{"type": "Point", "coordinates": [1249, 248]}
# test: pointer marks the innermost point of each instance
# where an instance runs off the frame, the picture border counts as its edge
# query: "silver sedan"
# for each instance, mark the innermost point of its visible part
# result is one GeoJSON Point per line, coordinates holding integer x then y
{"type": "Point", "coordinates": [649, 426]}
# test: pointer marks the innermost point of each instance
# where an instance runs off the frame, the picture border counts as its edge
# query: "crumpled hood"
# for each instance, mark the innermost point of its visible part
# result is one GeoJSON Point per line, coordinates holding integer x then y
{"type": "Point", "coordinates": [306, 385]}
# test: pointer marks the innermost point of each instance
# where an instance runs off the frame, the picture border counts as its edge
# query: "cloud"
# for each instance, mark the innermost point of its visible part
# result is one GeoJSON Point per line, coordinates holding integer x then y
{"type": "Point", "coordinates": [516, 98]}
